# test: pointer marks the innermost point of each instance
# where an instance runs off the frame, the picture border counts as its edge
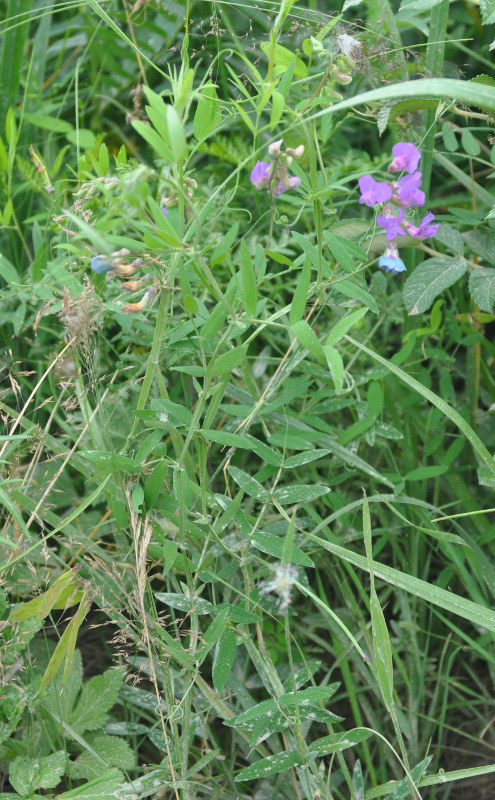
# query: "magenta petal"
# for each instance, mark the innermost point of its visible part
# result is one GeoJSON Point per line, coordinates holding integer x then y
{"type": "Point", "coordinates": [259, 174]}
{"type": "Point", "coordinates": [406, 157]}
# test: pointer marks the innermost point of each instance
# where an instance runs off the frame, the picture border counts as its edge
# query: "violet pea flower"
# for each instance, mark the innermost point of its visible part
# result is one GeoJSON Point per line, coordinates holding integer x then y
{"type": "Point", "coordinates": [391, 224]}
{"type": "Point", "coordinates": [373, 191]}
{"type": "Point", "coordinates": [260, 174]}
{"type": "Point", "coordinates": [424, 230]}
{"type": "Point", "coordinates": [406, 157]}
{"type": "Point", "coordinates": [408, 192]}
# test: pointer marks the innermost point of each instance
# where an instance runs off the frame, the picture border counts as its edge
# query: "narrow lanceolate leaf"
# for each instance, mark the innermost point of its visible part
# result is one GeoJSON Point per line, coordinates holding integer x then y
{"type": "Point", "coordinates": [223, 658]}
{"type": "Point", "coordinates": [248, 280]}
{"type": "Point", "coordinates": [269, 766]}
{"type": "Point", "coordinates": [482, 288]}
{"type": "Point", "coordinates": [429, 279]}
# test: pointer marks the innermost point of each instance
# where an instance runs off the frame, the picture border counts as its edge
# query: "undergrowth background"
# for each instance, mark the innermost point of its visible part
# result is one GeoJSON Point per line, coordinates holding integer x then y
{"type": "Point", "coordinates": [247, 546]}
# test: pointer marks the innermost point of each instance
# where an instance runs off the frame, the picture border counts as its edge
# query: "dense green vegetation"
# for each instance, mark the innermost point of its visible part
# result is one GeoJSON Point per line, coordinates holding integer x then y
{"type": "Point", "coordinates": [247, 546]}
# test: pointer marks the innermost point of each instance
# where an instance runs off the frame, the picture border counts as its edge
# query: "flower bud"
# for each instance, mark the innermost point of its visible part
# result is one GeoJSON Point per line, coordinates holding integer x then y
{"type": "Point", "coordinates": [296, 152]}
{"type": "Point", "coordinates": [274, 148]}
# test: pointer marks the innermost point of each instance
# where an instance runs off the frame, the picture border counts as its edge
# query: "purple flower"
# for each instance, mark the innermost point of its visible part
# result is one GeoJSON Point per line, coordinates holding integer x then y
{"type": "Point", "coordinates": [260, 174]}
{"type": "Point", "coordinates": [408, 192]}
{"type": "Point", "coordinates": [164, 210]}
{"type": "Point", "coordinates": [289, 183]}
{"type": "Point", "coordinates": [406, 157]}
{"type": "Point", "coordinates": [391, 261]}
{"type": "Point", "coordinates": [391, 224]}
{"type": "Point", "coordinates": [425, 230]}
{"type": "Point", "coordinates": [373, 191]}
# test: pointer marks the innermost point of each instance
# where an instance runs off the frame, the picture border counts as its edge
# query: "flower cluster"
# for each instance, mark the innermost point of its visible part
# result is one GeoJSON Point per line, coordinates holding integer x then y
{"type": "Point", "coordinates": [274, 175]}
{"type": "Point", "coordinates": [404, 193]}
{"type": "Point", "coordinates": [115, 265]}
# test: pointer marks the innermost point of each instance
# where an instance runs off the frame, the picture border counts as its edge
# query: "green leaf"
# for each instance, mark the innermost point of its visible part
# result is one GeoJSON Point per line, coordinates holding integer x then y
{"type": "Point", "coordinates": [110, 751]}
{"type": "Point", "coordinates": [335, 365]}
{"type": "Point", "coordinates": [278, 102]}
{"type": "Point", "coordinates": [230, 360]}
{"type": "Point", "coordinates": [300, 296]}
{"type": "Point", "coordinates": [298, 494]}
{"type": "Point", "coordinates": [482, 288]}
{"type": "Point", "coordinates": [429, 279]}
{"type": "Point", "coordinates": [304, 458]}
{"type": "Point", "coordinates": [481, 242]}
{"type": "Point", "coordinates": [469, 143]}
{"type": "Point", "coordinates": [223, 658]}
{"type": "Point", "coordinates": [153, 484]}
{"type": "Point", "coordinates": [43, 772]}
{"type": "Point", "coordinates": [102, 788]}
{"type": "Point", "coordinates": [305, 334]}
{"type": "Point", "coordinates": [248, 484]}
{"type": "Point", "coordinates": [449, 138]}
{"type": "Point", "coordinates": [274, 546]}
{"type": "Point", "coordinates": [98, 696]}
{"type": "Point", "coordinates": [207, 114]}
{"type": "Point", "coordinates": [339, 247]}
{"type": "Point", "coordinates": [269, 766]}
{"type": "Point", "coordinates": [153, 139]}
{"type": "Point", "coordinates": [418, 5]}
{"type": "Point", "coordinates": [248, 281]}
{"type": "Point", "coordinates": [183, 603]}
{"type": "Point", "coordinates": [350, 289]}
{"type": "Point", "coordinates": [283, 58]}
{"type": "Point", "coordinates": [344, 325]}
{"type": "Point", "coordinates": [177, 413]}
{"type": "Point", "coordinates": [177, 137]}
{"type": "Point", "coordinates": [338, 741]}
{"type": "Point", "coordinates": [425, 473]}
{"type": "Point", "coordinates": [245, 442]}
{"type": "Point", "coordinates": [52, 124]}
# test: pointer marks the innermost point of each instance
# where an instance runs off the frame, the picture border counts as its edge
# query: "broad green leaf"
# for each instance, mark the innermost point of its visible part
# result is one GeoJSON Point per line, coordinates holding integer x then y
{"type": "Point", "coordinates": [43, 772]}
{"type": "Point", "coordinates": [176, 412]}
{"type": "Point", "coordinates": [98, 696]}
{"type": "Point", "coordinates": [429, 279]}
{"type": "Point", "coordinates": [298, 494]}
{"type": "Point", "coordinates": [482, 288]}
{"type": "Point", "coordinates": [269, 766]}
{"type": "Point", "coordinates": [66, 644]}
{"type": "Point", "coordinates": [274, 546]}
{"type": "Point", "coordinates": [223, 658]}
{"type": "Point", "coordinates": [482, 242]}
{"type": "Point", "coordinates": [41, 606]}
{"type": "Point", "coordinates": [248, 281]}
{"type": "Point", "coordinates": [418, 5]}
{"type": "Point", "coordinates": [52, 124]}
{"type": "Point", "coordinates": [230, 360]}
{"type": "Point", "coordinates": [340, 250]}
{"type": "Point", "coordinates": [102, 788]}
{"type": "Point", "coordinates": [110, 751]}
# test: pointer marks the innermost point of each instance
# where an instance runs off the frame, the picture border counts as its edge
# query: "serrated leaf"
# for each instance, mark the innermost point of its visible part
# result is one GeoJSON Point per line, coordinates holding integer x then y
{"type": "Point", "coordinates": [102, 788]}
{"type": "Point", "coordinates": [111, 751]}
{"type": "Point", "coordinates": [269, 766]}
{"type": "Point", "coordinates": [274, 545]}
{"type": "Point", "coordinates": [429, 279]}
{"type": "Point", "coordinates": [43, 772]}
{"type": "Point", "coordinates": [98, 696]}
{"type": "Point", "coordinates": [481, 242]}
{"type": "Point", "coordinates": [482, 288]}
